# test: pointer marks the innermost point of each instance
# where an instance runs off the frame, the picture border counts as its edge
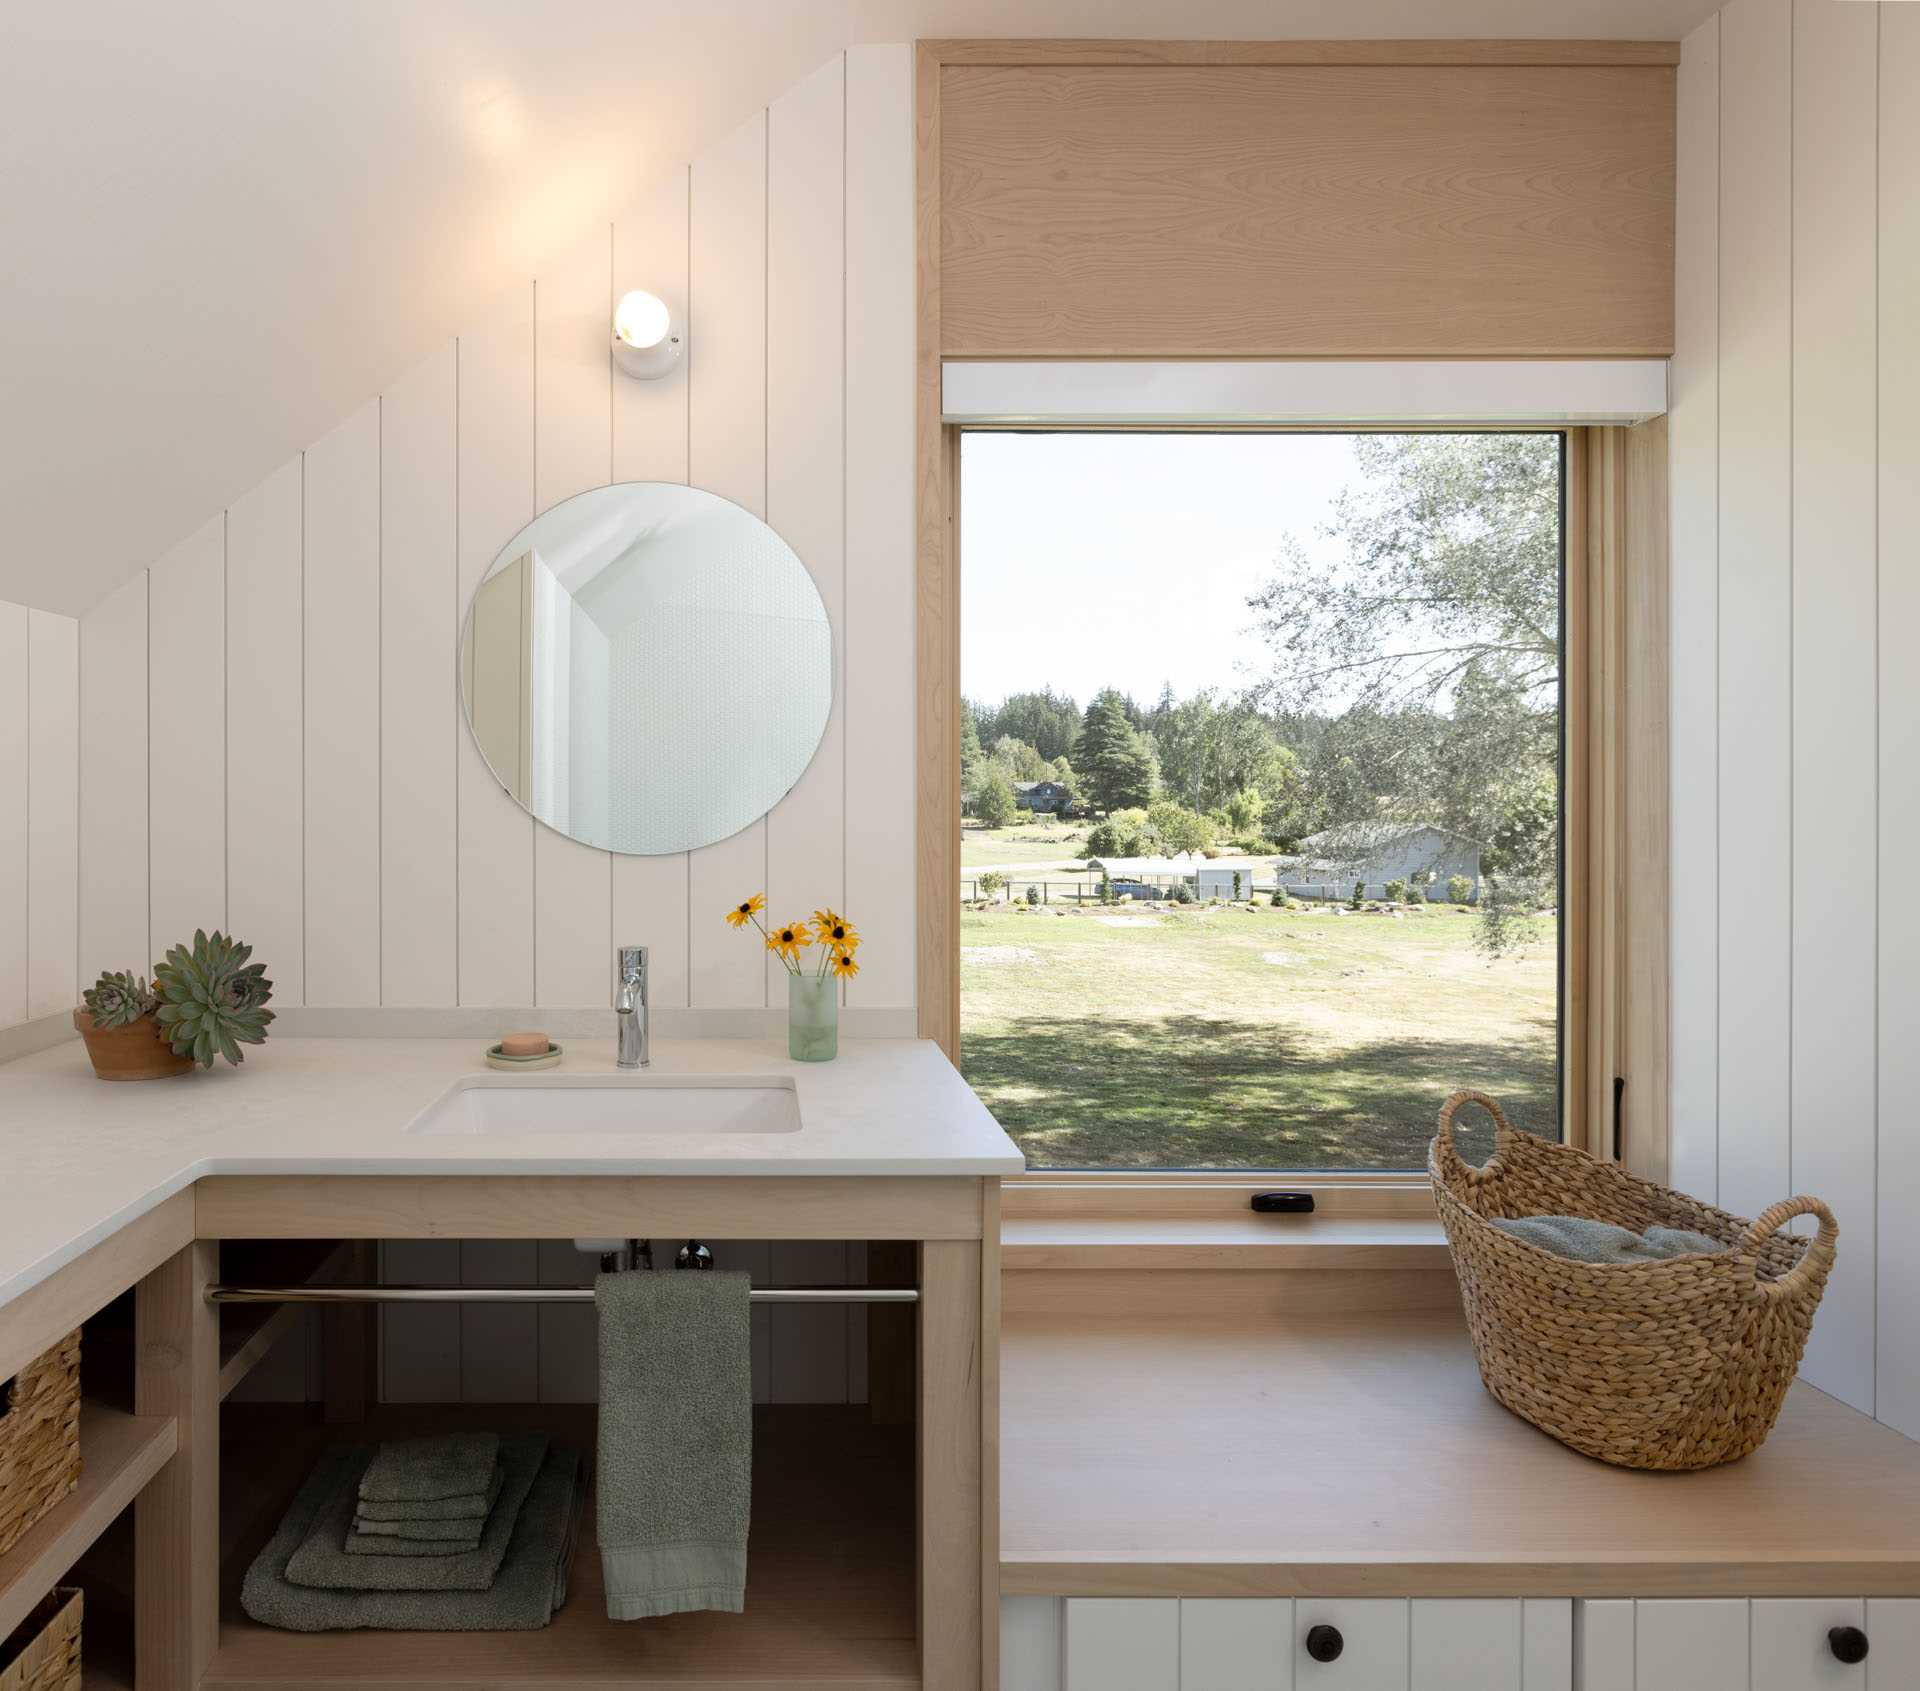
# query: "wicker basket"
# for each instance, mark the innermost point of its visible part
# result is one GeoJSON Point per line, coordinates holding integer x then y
{"type": "Point", "coordinates": [1681, 1363]}
{"type": "Point", "coordinates": [39, 1439]}
{"type": "Point", "coordinates": [44, 1653]}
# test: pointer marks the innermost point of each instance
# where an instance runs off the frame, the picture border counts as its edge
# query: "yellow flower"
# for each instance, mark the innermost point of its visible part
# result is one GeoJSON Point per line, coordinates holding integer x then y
{"type": "Point", "coordinates": [836, 931]}
{"type": "Point", "coordinates": [745, 911]}
{"type": "Point", "coordinates": [787, 941]}
{"type": "Point", "coordinates": [844, 963]}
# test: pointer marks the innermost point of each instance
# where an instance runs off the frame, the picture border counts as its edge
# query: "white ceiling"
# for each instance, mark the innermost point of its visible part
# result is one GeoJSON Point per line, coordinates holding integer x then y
{"type": "Point", "coordinates": [224, 224]}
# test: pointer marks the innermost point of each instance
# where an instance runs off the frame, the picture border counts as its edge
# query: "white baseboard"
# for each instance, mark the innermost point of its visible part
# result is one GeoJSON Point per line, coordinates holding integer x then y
{"type": "Point", "coordinates": [566, 1022]}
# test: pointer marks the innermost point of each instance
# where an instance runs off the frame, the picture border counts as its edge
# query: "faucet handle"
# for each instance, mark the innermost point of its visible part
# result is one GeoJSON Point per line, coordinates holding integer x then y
{"type": "Point", "coordinates": [633, 964]}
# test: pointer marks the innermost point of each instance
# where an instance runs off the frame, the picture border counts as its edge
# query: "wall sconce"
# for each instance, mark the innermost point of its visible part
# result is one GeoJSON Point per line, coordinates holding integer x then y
{"type": "Point", "coordinates": [646, 342]}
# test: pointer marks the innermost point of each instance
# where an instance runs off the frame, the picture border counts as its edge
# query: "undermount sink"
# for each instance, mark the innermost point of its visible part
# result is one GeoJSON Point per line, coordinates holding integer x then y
{"type": "Point", "coordinates": [613, 1104]}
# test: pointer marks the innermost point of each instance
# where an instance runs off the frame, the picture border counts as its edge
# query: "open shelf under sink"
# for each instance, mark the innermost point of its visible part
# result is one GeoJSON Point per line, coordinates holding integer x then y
{"type": "Point", "coordinates": [830, 1573]}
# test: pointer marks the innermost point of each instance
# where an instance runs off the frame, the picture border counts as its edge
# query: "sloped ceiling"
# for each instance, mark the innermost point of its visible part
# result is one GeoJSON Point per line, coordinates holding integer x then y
{"type": "Point", "coordinates": [224, 223]}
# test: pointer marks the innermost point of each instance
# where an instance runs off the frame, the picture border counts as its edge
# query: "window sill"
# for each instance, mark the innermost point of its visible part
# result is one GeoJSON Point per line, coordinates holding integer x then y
{"type": "Point", "coordinates": [1242, 1242]}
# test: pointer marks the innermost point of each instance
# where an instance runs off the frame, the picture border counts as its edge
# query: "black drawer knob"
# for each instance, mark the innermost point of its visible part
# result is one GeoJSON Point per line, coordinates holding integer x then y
{"type": "Point", "coordinates": [1324, 1643]}
{"type": "Point", "coordinates": [1848, 1644]}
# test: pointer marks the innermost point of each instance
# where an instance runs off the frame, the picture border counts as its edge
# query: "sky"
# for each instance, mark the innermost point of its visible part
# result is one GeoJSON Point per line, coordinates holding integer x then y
{"type": "Point", "coordinates": [1126, 560]}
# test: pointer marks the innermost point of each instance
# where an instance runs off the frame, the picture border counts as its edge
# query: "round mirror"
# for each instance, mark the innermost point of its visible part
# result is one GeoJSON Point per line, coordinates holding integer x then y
{"type": "Point", "coordinates": [647, 668]}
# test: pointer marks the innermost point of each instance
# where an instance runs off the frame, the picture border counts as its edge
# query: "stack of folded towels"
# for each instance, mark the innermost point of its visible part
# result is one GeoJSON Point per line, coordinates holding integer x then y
{"type": "Point", "coordinates": [465, 1532]}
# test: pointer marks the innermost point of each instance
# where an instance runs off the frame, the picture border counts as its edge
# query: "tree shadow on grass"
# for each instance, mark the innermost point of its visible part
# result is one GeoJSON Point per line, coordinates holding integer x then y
{"type": "Point", "coordinates": [1204, 1092]}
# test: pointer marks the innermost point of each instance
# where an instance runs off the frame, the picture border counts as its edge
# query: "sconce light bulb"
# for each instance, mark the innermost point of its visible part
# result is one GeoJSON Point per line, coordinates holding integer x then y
{"type": "Point", "coordinates": [641, 320]}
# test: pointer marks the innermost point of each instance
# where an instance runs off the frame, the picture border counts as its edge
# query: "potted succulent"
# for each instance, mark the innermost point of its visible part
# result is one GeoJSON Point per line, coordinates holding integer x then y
{"type": "Point", "coordinates": [122, 1030]}
{"type": "Point", "coordinates": [206, 1000]}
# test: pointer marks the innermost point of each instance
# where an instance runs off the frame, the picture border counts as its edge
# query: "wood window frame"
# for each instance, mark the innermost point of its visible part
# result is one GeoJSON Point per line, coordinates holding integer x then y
{"type": "Point", "coordinates": [1615, 927]}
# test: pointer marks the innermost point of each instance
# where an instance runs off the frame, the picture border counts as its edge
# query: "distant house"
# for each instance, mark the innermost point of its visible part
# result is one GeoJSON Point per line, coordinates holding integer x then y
{"type": "Point", "coordinates": [1375, 853]}
{"type": "Point", "coordinates": [1043, 798]}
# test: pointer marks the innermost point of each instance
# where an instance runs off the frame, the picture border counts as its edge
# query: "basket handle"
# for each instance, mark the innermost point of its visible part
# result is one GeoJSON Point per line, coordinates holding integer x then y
{"type": "Point", "coordinates": [1818, 1257]}
{"type": "Point", "coordinates": [1503, 1135]}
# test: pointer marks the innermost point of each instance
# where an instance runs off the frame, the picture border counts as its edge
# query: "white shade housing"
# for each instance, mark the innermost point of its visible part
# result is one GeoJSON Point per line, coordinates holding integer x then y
{"type": "Point", "coordinates": [646, 341]}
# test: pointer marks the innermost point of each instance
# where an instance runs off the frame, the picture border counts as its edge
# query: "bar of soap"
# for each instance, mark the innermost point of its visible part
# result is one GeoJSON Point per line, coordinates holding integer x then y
{"type": "Point", "coordinates": [524, 1044]}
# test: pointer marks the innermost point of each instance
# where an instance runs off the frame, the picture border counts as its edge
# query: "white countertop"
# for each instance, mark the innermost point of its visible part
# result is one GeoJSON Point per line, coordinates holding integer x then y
{"type": "Point", "coordinates": [82, 1157]}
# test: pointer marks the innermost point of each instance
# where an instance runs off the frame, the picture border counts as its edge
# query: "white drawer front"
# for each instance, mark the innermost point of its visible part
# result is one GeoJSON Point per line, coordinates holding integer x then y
{"type": "Point", "coordinates": [1236, 1644]}
{"type": "Point", "coordinates": [1685, 1644]}
{"type": "Point", "coordinates": [1465, 1644]}
{"type": "Point", "coordinates": [1121, 1644]}
{"type": "Point", "coordinates": [1893, 1632]}
{"type": "Point", "coordinates": [1373, 1644]}
{"type": "Point", "coordinates": [1791, 1650]}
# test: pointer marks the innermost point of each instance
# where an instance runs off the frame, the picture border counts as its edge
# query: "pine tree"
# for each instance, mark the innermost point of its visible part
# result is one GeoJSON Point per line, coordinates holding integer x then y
{"type": "Point", "coordinates": [1115, 761]}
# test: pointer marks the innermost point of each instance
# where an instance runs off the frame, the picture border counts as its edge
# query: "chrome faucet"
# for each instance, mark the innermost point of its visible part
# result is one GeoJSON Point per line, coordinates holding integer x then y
{"type": "Point", "coordinates": [630, 1008]}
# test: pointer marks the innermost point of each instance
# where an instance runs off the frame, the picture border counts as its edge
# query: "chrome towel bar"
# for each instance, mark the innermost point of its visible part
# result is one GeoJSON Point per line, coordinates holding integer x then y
{"type": "Point", "coordinates": [530, 1294]}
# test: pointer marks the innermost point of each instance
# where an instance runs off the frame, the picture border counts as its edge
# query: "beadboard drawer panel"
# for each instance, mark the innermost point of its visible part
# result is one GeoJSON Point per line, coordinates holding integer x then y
{"type": "Point", "coordinates": [1465, 1644]}
{"type": "Point", "coordinates": [1236, 1644]}
{"type": "Point", "coordinates": [1029, 1644]}
{"type": "Point", "coordinates": [1373, 1638]}
{"type": "Point", "coordinates": [1690, 1645]}
{"type": "Point", "coordinates": [1121, 1644]}
{"type": "Point", "coordinates": [1790, 1648]}
{"type": "Point", "coordinates": [1893, 1630]}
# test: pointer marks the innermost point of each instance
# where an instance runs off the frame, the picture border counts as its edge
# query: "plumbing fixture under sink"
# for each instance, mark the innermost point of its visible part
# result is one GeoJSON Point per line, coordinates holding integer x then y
{"type": "Point", "coordinates": [613, 1104]}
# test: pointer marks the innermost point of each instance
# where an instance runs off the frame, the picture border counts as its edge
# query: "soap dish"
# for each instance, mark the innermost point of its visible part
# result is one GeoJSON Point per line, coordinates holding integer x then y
{"type": "Point", "coordinates": [548, 1059]}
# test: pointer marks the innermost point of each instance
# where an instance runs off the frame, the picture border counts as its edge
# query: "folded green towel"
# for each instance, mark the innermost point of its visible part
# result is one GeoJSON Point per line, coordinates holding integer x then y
{"type": "Point", "coordinates": [447, 1532]}
{"type": "Point", "coordinates": [470, 1506]}
{"type": "Point", "coordinates": [1585, 1240]}
{"type": "Point", "coordinates": [392, 1540]}
{"type": "Point", "coordinates": [420, 1470]}
{"type": "Point", "coordinates": [531, 1584]}
{"type": "Point", "coordinates": [676, 1441]}
{"type": "Point", "coordinates": [331, 1560]}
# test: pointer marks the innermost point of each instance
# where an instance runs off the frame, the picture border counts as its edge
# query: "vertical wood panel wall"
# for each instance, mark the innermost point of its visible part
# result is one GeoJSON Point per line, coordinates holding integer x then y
{"type": "Point", "coordinates": [271, 734]}
{"type": "Point", "coordinates": [1796, 961]}
{"type": "Point", "coordinates": [39, 823]}
{"type": "Point", "coordinates": [314, 783]}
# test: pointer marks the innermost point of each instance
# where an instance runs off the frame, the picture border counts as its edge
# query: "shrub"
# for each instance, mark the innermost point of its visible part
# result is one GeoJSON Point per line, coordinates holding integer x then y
{"type": "Point", "coordinates": [1279, 899]}
{"type": "Point", "coordinates": [1416, 894]}
{"type": "Point", "coordinates": [1106, 886]}
{"type": "Point", "coordinates": [1177, 828]}
{"type": "Point", "coordinates": [1236, 886]}
{"type": "Point", "coordinates": [1359, 895]}
{"type": "Point", "coordinates": [994, 803]}
{"type": "Point", "coordinates": [1123, 834]}
{"type": "Point", "coordinates": [1179, 893]}
{"type": "Point", "coordinates": [989, 882]}
{"type": "Point", "coordinates": [1033, 892]}
{"type": "Point", "coordinates": [1396, 892]}
{"type": "Point", "coordinates": [1459, 890]}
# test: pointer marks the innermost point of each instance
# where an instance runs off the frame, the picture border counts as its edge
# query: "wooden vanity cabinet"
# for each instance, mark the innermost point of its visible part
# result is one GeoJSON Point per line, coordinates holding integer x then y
{"type": "Point", "coordinates": [898, 1591]}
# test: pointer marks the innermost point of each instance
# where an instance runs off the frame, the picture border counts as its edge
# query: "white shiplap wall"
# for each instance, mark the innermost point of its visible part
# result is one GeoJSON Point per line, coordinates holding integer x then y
{"type": "Point", "coordinates": [289, 668]}
{"type": "Point", "coordinates": [39, 822]}
{"type": "Point", "coordinates": [1796, 572]}
{"type": "Point", "coordinates": [289, 665]}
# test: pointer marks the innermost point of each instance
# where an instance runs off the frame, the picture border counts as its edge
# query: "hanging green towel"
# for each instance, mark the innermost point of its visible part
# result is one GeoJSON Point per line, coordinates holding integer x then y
{"type": "Point", "coordinates": [676, 1441]}
{"type": "Point", "coordinates": [329, 1560]}
{"type": "Point", "coordinates": [531, 1584]}
{"type": "Point", "coordinates": [421, 1470]}
{"type": "Point", "coordinates": [1585, 1240]}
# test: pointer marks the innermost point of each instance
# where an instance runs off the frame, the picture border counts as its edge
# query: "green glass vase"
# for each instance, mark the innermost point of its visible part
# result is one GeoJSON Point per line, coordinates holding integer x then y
{"type": "Point", "coordinates": [813, 1018]}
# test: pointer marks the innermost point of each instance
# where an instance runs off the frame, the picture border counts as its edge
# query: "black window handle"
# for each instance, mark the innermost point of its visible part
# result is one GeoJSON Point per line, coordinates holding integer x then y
{"type": "Point", "coordinates": [1324, 1643]}
{"type": "Point", "coordinates": [1848, 1644]}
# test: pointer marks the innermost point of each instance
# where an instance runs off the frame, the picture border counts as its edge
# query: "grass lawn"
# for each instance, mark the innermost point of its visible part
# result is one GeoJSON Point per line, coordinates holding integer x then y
{"type": "Point", "coordinates": [1024, 842]}
{"type": "Point", "coordinates": [1231, 1038]}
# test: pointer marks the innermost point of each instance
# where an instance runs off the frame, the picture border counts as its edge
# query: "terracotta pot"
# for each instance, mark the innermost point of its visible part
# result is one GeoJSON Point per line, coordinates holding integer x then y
{"type": "Point", "coordinates": [134, 1052]}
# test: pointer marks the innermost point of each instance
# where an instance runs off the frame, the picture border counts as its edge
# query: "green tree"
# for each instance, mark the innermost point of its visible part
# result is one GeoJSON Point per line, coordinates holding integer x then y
{"type": "Point", "coordinates": [995, 806]}
{"type": "Point", "coordinates": [1122, 833]}
{"type": "Point", "coordinates": [972, 759]}
{"type": "Point", "coordinates": [1176, 828]}
{"type": "Point", "coordinates": [1114, 759]}
{"type": "Point", "coordinates": [1245, 809]}
{"type": "Point", "coordinates": [1046, 720]}
{"type": "Point", "coordinates": [1418, 672]}
{"type": "Point", "coordinates": [1017, 760]}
